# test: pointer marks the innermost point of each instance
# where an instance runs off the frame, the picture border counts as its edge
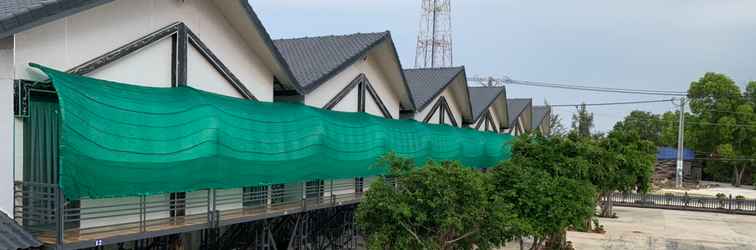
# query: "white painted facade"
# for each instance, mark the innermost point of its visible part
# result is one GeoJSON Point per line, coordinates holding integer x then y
{"type": "Point", "coordinates": [455, 96]}
{"type": "Point", "coordinates": [482, 118]}
{"type": "Point", "coordinates": [71, 41]}
{"type": "Point", "coordinates": [6, 125]}
{"type": "Point", "coordinates": [379, 70]}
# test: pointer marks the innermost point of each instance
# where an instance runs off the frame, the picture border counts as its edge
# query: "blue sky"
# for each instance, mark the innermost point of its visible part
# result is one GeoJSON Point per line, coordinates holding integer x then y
{"type": "Point", "coordinates": [643, 44]}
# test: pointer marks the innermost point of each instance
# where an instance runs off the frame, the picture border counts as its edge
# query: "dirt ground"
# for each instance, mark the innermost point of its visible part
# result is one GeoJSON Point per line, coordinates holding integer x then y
{"type": "Point", "coordinates": [641, 228]}
{"type": "Point", "coordinates": [657, 229]}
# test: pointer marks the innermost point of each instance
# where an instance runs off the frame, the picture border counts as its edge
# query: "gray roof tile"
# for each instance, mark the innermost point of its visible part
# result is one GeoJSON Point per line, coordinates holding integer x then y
{"type": "Point", "coordinates": [482, 97]}
{"type": "Point", "coordinates": [516, 107]}
{"type": "Point", "coordinates": [425, 84]}
{"type": "Point", "coordinates": [314, 59]}
{"type": "Point", "coordinates": [13, 237]}
{"type": "Point", "coordinates": [539, 114]}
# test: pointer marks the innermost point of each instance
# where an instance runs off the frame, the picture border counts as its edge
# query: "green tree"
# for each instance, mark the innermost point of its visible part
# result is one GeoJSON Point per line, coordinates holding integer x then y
{"type": "Point", "coordinates": [726, 125]}
{"type": "Point", "coordinates": [670, 122]}
{"type": "Point", "coordinates": [582, 121]}
{"type": "Point", "coordinates": [546, 183]}
{"type": "Point", "coordinates": [623, 162]}
{"type": "Point", "coordinates": [437, 206]}
{"type": "Point", "coordinates": [647, 125]}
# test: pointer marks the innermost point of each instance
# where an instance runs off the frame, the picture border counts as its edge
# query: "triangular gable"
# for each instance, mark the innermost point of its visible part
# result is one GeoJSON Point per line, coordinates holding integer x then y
{"type": "Point", "coordinates": [183, 40]}
{"type": "Point", "coordinates": [481, 98]}
{"type": "Point", "coordinates": [359, 92]}
{"type": "Point", "coordinates": [428, 83]}
{"type": "Point", "coordinates": [315, 60]}
{"type": "Point", "coordinates": [18, 16]}
{"type": "Point", "coordinates": [517, 108]}
{"type": "Point", "coordinates": [540, 113]}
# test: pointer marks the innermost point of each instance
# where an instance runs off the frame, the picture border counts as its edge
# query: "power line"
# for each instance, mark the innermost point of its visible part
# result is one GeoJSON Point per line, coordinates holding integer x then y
{"type": "Point", "coordinates": [612, 103]}
{"type": "Point", "coordinates": [597, 89]}
{"type": "Point", "coordinates": [491, 81]}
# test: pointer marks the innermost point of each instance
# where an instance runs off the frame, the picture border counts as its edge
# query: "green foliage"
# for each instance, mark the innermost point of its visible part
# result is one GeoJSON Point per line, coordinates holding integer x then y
{"type": "Point", "coordinates": [647, 125]}
{"type": "Point", "coordinates": [547, 182]}
{"type": "Point", "coordinates": [634, 159]}
{"type": "Point", "coordinates": [437, 206]}
{"type": "Point", "coordinates": [716, 99]}
{"type": "Point", "coordinates": [670, 123]}
{"type": "Point", "coordinates": [545, 204]}
{"type": "Point", "coordinates": [582, 121]}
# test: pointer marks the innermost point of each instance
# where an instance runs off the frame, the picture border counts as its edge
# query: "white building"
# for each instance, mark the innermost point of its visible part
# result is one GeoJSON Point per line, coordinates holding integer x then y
{"type": "Point", "coordinates": [520, 116]}
{"type": "Point", "coordinates": [441, 96]}
{"type": "Point", "coordinates": [489, 106]}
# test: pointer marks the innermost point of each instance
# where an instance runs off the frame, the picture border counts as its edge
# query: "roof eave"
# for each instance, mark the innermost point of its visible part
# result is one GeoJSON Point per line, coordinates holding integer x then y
{"type": "Point", "coordinates": [438, 92]}
{"type": "Point", "coordinates": [263, 33]}
{"type": "Point", "coordinates": [493, 100]}
{"type": "Point", "coordinates": [322, 79]}
{"type": "Point", "coordinates": [46, 16]}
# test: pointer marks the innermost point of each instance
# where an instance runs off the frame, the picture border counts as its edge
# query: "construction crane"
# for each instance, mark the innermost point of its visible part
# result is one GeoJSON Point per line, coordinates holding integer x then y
{"type": "Point", "coordinates": [489, 81]}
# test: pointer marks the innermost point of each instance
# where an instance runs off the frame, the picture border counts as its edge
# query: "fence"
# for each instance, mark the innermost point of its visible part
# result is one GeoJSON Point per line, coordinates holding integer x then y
{"type": "Point", "coordinates": [42, 209]}
{"type": "Point", "coordinates": [727, 204]}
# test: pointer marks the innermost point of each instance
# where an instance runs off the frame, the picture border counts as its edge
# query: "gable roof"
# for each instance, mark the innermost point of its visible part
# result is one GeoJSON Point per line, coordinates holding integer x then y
{"type": "Point", "coordinates": [12, 236]}
{"type": "Point", "coordinates": [427, 83]}
{"type": "Point", "coordinates": [539, 115]}
{"type": "Point", "coordinates": [483, 97]}
{"type": "Point", "coordinates": [516, 107]}
{"type": "Point", "coordinates": [19, 15]}
{"type": "Point", "coordinates": [315, 59]}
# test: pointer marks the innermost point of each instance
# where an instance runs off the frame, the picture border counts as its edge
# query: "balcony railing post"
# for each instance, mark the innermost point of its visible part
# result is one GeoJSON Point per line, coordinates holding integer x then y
{"type": "Point", "coordinates": [59, 218]}
{"type": "Point", "coordinates": [142, 213]}
{"type": "Point", "coordinates": [333, 199]}
{"type": "Point", "coordinates": [304, 195]}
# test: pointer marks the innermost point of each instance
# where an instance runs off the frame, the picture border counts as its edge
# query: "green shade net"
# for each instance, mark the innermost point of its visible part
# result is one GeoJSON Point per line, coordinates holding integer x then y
{"type": "Point", "coordinates": [121, 140]}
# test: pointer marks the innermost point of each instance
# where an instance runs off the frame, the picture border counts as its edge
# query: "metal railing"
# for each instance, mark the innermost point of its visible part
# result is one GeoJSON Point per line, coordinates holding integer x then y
{"type": "Point", "coordinates": [722, 204]}
{"type": "Point", "coordinates": [93, 222]}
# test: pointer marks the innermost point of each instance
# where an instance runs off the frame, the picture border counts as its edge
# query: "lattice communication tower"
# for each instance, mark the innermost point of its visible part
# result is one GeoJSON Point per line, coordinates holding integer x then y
{"type": "Point", "coordinates": [434, 38]}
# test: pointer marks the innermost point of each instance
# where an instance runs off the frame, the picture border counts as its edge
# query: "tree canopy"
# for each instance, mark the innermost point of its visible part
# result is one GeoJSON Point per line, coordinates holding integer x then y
{"type": "Point", "coordinates": [436, 206]}
{"type": "Point", "coordinates": [725, 127]}
{"type": "Point", "coordinates": [582, 121]}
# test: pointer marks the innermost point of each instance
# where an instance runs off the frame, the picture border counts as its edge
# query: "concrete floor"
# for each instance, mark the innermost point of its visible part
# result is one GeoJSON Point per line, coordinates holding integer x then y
{"type": "Point", "coordinates": [641, 228]}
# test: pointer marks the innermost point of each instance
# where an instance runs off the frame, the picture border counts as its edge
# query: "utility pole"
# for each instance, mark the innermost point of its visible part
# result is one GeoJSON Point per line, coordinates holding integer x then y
{"type": "Point", "coordinates": [680, 148]}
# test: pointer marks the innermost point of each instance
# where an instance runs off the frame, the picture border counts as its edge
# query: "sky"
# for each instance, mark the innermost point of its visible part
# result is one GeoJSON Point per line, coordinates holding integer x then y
{"type": "Point", "coordinates": [640, 44]}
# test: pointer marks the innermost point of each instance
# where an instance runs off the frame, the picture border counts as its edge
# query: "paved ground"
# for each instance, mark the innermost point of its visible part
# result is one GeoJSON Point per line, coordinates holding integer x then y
{"type": "Point", "coordinates": [641, 228]}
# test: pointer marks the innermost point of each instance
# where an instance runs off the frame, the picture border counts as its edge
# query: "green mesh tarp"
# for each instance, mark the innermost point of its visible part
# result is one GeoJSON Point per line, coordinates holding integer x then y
{"type": "Point", "coordinates": [121, 140]}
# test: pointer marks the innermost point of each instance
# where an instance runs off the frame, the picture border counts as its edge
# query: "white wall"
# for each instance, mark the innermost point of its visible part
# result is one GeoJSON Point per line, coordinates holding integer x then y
{"type": "Point", "coordinates": [370, 66]}
{"type": "Point", "coordinates": [70, 41]}
{"type": "Point", "coordinates": [451, 97]}
{"type": "Point", "coordinates": [73, 40]}
{"type": "Point", "coordinates": [494, 117]}
{"type": "Point", "coordinates": [6, 125]}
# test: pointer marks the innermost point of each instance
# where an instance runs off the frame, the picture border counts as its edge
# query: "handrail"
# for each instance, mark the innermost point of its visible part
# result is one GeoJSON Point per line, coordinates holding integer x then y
{"type": "Point", "coordinates": [41, 208]}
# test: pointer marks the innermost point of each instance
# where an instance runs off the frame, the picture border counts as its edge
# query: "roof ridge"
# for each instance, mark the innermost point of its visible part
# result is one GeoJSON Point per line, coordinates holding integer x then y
{"type": "Point", "coordinates": [437, 68]}
{"type": "Point", "coordinates": [331, 36]}
{"type": "Point", "coordinates": [492, 87]}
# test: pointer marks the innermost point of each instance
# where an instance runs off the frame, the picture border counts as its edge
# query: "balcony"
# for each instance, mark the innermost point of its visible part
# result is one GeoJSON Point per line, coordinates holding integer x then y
{"type": "Point", "coordinates": [41, 209]}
